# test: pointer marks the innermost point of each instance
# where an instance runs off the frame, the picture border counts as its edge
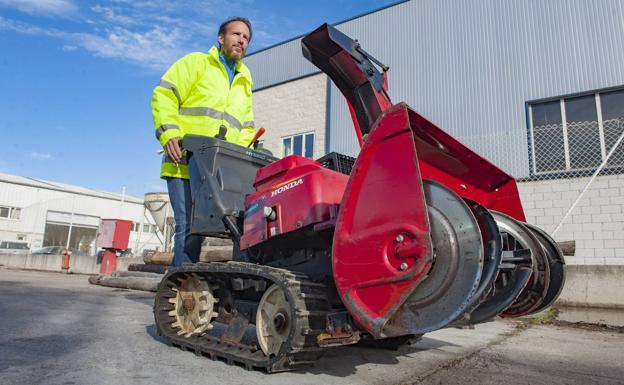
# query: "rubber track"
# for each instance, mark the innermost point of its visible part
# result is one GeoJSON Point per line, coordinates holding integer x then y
{"type": "Point", "coordinates": [307, 298]}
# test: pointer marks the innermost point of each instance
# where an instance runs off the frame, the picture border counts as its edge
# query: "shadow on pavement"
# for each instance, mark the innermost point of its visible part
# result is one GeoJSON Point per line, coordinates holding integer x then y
{"type": "Point", "coordinates": [151, 331]}
{"type": "Point", "coordinates": [344, 361]}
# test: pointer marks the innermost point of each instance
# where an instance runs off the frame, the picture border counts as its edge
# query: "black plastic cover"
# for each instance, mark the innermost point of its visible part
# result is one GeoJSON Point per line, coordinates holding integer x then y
{"type": "Point", "coordinates": [227, 174]}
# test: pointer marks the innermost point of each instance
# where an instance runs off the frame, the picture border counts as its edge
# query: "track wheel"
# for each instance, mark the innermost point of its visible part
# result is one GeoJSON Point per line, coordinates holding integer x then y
{"type": "Point", "coordinates": [273, 321]}
{"type": "Point", "coordinates": [193, 306]}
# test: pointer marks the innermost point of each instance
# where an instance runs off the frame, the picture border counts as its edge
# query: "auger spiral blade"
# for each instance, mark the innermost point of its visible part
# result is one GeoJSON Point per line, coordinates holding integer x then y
{"type": "Point", "coordinates": [556, 264]}
{"type": "Point", "coordinates": [533, 294]}
{"type": "Point", "coordinates": [514, 271]}
{"type": "Point", "coordinates": [492, 251]}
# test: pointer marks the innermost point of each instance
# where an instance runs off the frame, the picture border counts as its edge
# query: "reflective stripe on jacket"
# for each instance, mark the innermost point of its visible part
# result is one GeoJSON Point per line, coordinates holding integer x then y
{"type": "Point", "coordinates": [194, 97]}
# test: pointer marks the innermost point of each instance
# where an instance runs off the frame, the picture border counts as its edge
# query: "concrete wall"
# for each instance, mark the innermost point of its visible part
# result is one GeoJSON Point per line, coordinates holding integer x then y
{"type": "Point", "coordinates": [596, 224]}
{"type": "Point", "coordinates": [292, 108]}
{"type": "Point", "coordinates": [78, 264]}
{"type": "Point", "coordinates": [593, 286]}
{"type": "Point", "coordinates": [585, 286]}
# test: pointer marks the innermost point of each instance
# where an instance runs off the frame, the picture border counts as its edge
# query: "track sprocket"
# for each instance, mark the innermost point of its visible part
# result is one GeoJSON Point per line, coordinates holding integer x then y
{"type": "Point", "coordinates": [193, 306]}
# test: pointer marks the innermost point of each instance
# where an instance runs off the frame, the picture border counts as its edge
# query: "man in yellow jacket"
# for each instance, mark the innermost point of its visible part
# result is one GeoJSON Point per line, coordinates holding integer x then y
{"type": "Point", "coordinates": [201, 94]}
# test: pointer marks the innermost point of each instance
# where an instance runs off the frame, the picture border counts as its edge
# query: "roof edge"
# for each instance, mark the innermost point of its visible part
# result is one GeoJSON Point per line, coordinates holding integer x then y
{"type": "Point", "coordinates": [47, 185]}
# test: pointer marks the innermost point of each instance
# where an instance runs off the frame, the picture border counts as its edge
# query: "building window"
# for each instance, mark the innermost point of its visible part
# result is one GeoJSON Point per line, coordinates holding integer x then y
{"type": "Point", "coordinates": [81, 238]}
{"type": "Point", "coordinates": [574, 134]}
{"type": "Point", "coordinates": [10, 212]}
{"type": "Point", "coordinates": [301, 144]}
{"type": "Point", "coordinates": [146, 228]}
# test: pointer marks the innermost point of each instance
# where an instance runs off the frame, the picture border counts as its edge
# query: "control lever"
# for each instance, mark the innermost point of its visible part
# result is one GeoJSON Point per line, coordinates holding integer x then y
{"type": "Point", "coordinates": [258, 134]}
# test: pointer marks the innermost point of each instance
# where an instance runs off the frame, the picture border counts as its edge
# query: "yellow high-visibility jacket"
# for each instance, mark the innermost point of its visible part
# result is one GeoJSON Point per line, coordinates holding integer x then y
{"type": "Point", "coordinates": [195, 97]}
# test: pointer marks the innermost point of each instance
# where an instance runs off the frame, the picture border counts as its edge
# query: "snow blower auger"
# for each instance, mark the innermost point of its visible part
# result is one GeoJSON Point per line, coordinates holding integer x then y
{"type": "Point", "coordinates": [416, 234]}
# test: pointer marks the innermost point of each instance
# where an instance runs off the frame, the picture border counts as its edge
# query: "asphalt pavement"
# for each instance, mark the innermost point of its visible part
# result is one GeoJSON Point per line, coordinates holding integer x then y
{"type": "Point", "coordinates": [59, 329]}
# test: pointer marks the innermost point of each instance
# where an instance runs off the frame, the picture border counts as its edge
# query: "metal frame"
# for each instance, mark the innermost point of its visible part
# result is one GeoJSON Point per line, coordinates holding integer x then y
{"type": "Point", "coordinates": [564, 123]}
{"type": "Point", "coordinates": [328, 101]}
{"type": "Point", "coordinates": [603, 148]}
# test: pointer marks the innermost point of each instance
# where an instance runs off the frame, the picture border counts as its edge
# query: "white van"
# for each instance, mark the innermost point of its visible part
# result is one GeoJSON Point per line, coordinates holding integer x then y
{"type": "Point", "coordinates": [14, 247]}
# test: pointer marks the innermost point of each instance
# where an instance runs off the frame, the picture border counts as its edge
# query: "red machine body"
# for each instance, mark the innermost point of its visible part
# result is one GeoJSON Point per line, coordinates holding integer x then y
{"type": "Point", "coordinates": [310, 191]}
{"type": "Point", "coordinates": [366, 256]}
{"type": "Point", "coordinates": [383, 198]}
{"type": "Point", "coordinates": [366, 260]}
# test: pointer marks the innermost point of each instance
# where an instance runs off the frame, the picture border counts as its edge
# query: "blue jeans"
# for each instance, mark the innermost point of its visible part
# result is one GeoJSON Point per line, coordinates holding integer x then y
{"type": "Point", "coordinates": [186, 247]}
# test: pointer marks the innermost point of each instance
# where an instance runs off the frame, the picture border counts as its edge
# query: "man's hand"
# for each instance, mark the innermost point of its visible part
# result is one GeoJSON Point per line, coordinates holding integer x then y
{"type": "Point", "coordinates": [173, 150]}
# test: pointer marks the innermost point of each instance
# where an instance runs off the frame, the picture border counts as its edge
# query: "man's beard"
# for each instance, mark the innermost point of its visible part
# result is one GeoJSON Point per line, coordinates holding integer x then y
{"type": "Point", "coordinates": [234, 55]}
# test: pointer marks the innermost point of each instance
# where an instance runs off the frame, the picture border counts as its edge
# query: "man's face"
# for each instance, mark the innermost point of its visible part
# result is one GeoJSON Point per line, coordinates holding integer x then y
{"type": "Point", "coordinates": [235, 40]}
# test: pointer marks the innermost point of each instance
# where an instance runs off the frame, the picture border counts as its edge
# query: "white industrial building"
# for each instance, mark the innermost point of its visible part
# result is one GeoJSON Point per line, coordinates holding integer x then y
{"type": "Point", "coordinates": [45, 213]}
{"type": "Point", "coordinates": [537, 87]}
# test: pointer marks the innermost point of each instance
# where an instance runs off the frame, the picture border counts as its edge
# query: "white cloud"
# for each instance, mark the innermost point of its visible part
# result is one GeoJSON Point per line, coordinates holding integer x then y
{"type": "Point", "coordinates": [114, 16]}
{"type": "Point", "coordinates": [40, 155]}
{"type": "Point", "coordinates": [150, 34]}
{"type": "Point", "coordinates": [28, 29]}
{"type": "Point", "coordinates": [154, 48]}
{"type": "Point", "coordinates": [264, 38]}
{"type": "Point", "coordinates": [63, 8]}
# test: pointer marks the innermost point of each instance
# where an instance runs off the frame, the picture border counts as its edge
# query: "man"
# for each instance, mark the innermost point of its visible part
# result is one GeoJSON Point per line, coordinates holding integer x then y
{"type": "Point", "coordinates": [201, 94]}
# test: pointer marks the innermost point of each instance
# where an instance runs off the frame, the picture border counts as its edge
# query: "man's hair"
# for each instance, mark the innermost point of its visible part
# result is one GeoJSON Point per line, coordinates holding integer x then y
{"type": "Point", "coordinates": [223, 26]}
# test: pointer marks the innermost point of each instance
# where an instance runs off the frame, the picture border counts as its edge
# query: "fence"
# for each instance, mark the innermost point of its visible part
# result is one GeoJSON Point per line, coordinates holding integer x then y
{"type": "Point", "coordinates": [575, 190]}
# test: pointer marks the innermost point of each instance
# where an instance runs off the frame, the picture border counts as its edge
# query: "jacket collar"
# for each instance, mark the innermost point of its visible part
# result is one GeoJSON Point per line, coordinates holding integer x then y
{"type": "Point", "coordinates": [241, 68]}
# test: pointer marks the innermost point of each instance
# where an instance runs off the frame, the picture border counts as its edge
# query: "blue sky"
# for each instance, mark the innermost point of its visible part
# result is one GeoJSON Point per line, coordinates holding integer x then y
{"type": "Point", "coordinates": [76, 77]}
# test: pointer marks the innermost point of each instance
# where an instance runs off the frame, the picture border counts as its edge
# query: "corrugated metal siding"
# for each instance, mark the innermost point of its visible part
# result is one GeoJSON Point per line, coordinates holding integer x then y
{"type": "Point", "coordinates": [470, 66]}
{"type": "Point", "coordinates": [279, 64]}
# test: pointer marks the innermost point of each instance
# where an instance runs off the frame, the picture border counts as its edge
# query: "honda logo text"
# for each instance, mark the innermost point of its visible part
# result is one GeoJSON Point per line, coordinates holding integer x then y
{"type": "Point", "coordinates": [287, 186]}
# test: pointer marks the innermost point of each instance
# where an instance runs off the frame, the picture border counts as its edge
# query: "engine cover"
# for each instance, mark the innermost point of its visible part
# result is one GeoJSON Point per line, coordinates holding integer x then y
{"type": "Point", "coordinates": [291, 194]}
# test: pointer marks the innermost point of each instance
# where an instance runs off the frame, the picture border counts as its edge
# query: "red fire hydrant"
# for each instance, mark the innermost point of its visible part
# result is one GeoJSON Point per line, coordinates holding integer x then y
{"type": "Point", "coordinates": [113, 236]}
